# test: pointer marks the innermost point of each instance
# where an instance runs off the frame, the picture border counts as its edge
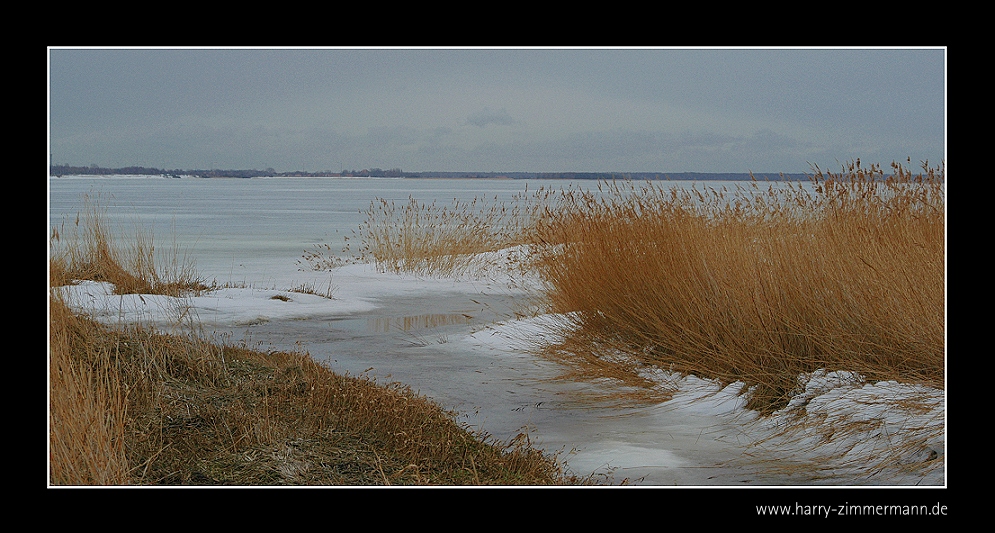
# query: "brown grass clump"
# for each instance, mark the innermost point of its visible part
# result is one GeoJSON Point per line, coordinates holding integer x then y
{"type": "Point", "coordinates": [429, 239]}
{"type": "Point", "coordinates": [85, 250]}
{"type": "Point", "coordinates": [87, 407]}
{"type": "Point", "coordinates": [757, 285]}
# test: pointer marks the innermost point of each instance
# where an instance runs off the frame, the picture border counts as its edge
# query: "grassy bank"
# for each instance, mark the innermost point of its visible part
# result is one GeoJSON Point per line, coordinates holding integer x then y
{"type": "Point", "coordinates": [130, 405]}
{"type": "Point", "coordinates": [135, 407]}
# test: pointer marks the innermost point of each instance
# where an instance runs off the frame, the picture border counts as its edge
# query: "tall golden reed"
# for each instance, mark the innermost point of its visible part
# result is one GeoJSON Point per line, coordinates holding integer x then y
{"type": "Point", "coordinates": [88, 384]}
{"type": "Point", "coordinates": [757, 285]}
{"type": "Point", "coordinates": [87, 406]}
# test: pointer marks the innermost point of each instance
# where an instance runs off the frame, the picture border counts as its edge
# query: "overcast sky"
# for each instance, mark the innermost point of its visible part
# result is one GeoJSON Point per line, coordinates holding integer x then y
{"type": "Point", "coordinates": [500, 110]}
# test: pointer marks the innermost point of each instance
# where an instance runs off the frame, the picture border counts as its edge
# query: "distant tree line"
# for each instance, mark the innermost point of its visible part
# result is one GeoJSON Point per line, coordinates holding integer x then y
{"type": "Point", "coordinates": [94, 170]}
{"type": "Point", "coordinates": [374, 173]}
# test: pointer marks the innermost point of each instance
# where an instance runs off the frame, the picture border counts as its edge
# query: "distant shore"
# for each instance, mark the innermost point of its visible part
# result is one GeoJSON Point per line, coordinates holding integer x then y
{"type": "Point", "coordinates": [64, 171]}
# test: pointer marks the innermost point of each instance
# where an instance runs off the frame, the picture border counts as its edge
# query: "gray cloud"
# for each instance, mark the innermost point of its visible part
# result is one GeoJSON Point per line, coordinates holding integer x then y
{"type": "Point", "coordinates": [486, 116]}
{"type": "Point", "coordinates": [666, 110]}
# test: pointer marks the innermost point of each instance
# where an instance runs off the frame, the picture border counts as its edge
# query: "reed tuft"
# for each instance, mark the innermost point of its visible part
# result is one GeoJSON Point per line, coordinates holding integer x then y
{"type": "Point", "coordinates": [463, 238]}
{"type": "Point", "coordinates": [758, 285]}
{"type": "Point", "coordinates": [85, 250]}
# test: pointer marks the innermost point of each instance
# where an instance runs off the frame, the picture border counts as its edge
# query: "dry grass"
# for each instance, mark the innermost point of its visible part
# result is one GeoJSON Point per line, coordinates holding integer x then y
{"type": "Point", "coordinates": [758, 285]}
{"type": "Point", "coordinates": [311, 287]}
{"type": "Point", "coordinates": [174, 410]}
{"type": "Point", "coordinates": [131, 405]}
{"type": "Point", "coordinates": [433, 240]}
{"type": "Point", "coordinates": [85, 250]}
{"type": "Point", "coordinates": [87, 407]}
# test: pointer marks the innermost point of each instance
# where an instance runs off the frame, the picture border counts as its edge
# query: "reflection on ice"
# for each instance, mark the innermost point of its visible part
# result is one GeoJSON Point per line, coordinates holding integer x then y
{"type": "Point", "coordinates": [383, 324]}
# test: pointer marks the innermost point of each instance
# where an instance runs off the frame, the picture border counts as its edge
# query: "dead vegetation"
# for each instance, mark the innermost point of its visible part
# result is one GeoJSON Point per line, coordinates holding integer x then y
{"type": "Point", "coordinates": [761, 284]}
{"type": "Point", "coordinates": [133, 406]}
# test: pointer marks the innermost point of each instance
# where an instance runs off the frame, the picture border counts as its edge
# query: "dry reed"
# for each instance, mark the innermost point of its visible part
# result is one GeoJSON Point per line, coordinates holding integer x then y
{"type": "Point", "coordinates": [85, 250]}
{"type": "Point", "coordinates": [86, 406]}
{"type": "Point", "coordinates": [448, 240]}
{"type": "Point", "coordinates": [758, 285]}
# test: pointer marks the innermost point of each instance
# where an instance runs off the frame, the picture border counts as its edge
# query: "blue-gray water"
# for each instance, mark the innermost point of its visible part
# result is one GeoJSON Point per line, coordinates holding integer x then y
{"type": "Point", "coordinates": [227, 222]}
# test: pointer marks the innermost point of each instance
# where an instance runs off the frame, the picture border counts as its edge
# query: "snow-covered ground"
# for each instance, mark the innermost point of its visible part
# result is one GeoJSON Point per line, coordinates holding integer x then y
{"type": "Point", "coordinates": [838, 429]}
